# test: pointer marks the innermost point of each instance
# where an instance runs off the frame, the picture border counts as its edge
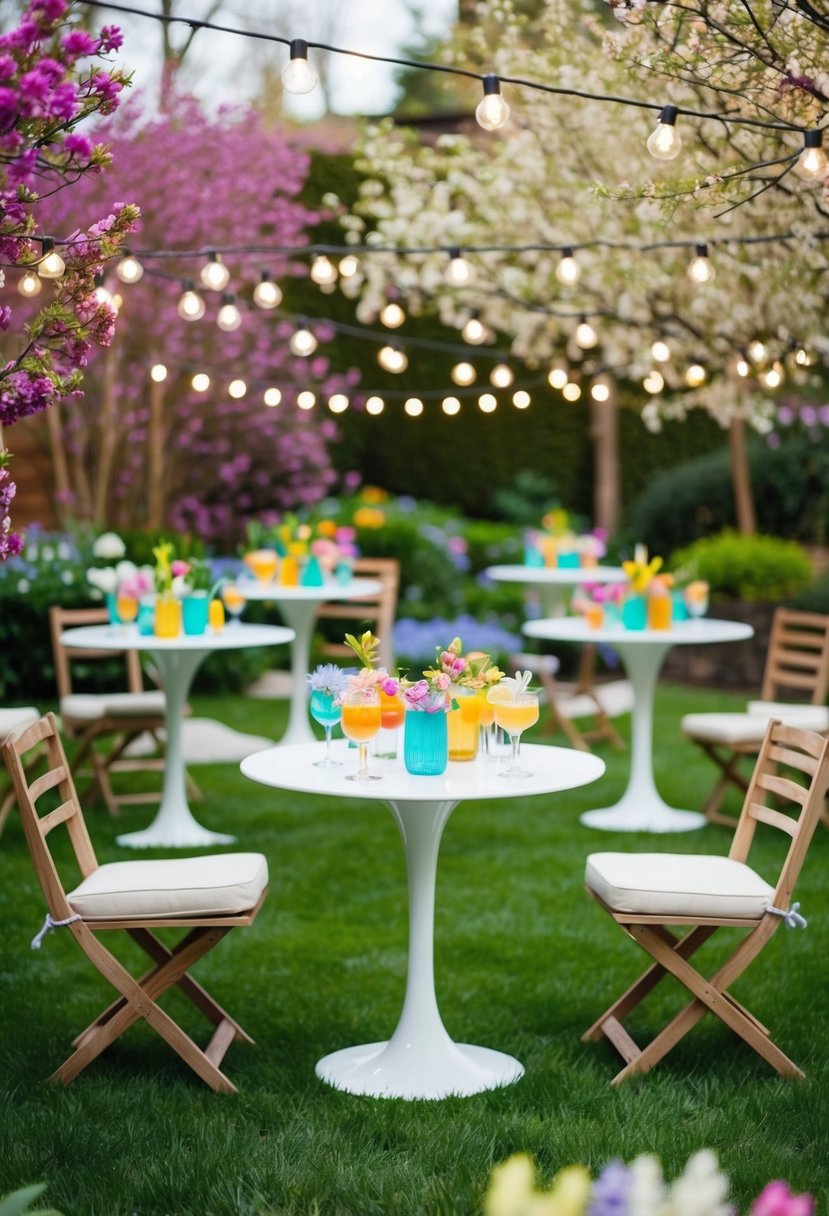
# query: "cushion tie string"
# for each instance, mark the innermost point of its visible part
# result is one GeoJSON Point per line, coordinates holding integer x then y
{"type": "Point", "coordinates": [791, 918]}
{"type": "Point", "coordinates": [49, 924]}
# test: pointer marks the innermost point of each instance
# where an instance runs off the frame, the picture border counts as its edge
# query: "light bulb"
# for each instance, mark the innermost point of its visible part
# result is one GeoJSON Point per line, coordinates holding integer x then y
{"type": "Point", "coordinates": [214, 274]}
{"type": "Point", "coordinates": [695, 375]}
{"type": "Point", "coordinates": [413, 406]}
{"type": "Point", "coordinates": [303, 343]}
{"type": "Point", "coordinates": [338, 403]}
{"type": "Point", "coordinates": [102, 293]}
{"type": "Point", "coordinates": [393, 359]}
{"type": "Point", "coordinates": [557, 376]}
{"type": "Point", "coordinates": [757, 351]}
{"type": "Point", "coordinates": [568, 270]}
{"type": "Point", "coordinates": [742, 367]}
{"type": "Point", "coordinates": [661, 351]}
{"type": "Point", "coordinates": [665, 142]}
{"type": "Point", "coordinates": [600, 391]}
{"type": "Point", "coordinates": [802, 357]}
{"type": "Point", "coordinates": [459, 272]}
{"type": "Point", "coordinates": [772, 377]}
{"type": "Point", "coordinates": [272, 397]}
{"type": "Point", "coordinates": [229, 317]}
{"type": "Point", "coordinates": [266, 293]}
{"type": "Point", "coordinates": [201, 382]}
{"type": "Point", "coordinates": [375, 406]}
{"type": "Point", "coordinates": [463, 374]}
{"type": "Point", "coordinates": [474, 332]}
{"type": "Point", "coordinates": [51, 264]}
{"type": "Point", "coordinates": [571, 391]}
{"type": "Point", "coordinates": [29, 285]}
{"type": "Point", "coordinates": [586, 336]}
{"type": "Point", "coordinates": [306, 400]}
{"type": "Point", "coordinates": [129, 269]}
{"type": "Point", "coordinates": [158, 373]}
{"type": "Point", "coordinates": [812, 165]}
{"type": "Point", "coordinates": [348, 266]}
{"type": "Point", "coordinates": [521, 399]}
{"type": "Point", "coordinates": [492, 111]}
{"type": "Point", "coordinates": [701, 269]}
{"type": "Point", "coordinates": [392, 315]}
{"type": "Point", "coordinates": [191, 305]}
{"type": "Point", "coordinates": [237, 389]}
{"type": "Point", "coordinates": [298, 76]}
{"type": "Point", "coordinates": [654, 382]}
{"type": "Point", "coordinates": [487, 403]}
{"type": "Point", "coordinates": [323, 272]}
{"type": "Point", "coordinates": [450, 406]}
{"type": "Point", "coordinates": [501, 375]}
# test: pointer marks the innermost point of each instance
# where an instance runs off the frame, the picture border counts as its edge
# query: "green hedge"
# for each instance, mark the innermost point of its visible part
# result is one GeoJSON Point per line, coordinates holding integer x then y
{"type": "Point", "coordinates": [746, 567]}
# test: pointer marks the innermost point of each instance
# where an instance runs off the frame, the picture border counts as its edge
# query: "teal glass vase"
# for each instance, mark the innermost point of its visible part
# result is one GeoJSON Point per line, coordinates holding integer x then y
{"type": "Point", "coordinates": [635, 612]}
{"type": "Point", "coordinates": [425, 743]}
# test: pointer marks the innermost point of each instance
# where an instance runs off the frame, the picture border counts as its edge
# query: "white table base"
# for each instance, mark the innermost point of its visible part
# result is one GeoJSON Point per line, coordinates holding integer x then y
{"type": "Point", "coordinates": [299, 616]}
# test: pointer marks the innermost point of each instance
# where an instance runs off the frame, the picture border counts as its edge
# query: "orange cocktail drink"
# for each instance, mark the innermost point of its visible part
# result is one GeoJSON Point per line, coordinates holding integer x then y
{"type": "Point", "coordinates": [486, 712]}
{"type": "Point", "coordinates": [516, 716]}
{"type": "Point", "coordinates": [392, 711]}
{"type": "Point", "coordinates": [360, 722]}
{"type": "Point", "coordinates": [462, 724]}
{"type": "Point", "coordinates": [262, 563]}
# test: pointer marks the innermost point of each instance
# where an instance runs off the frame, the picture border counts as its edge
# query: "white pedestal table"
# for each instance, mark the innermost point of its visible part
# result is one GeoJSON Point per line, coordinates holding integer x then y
{"type": "Point", "coordinates": [641, 809]}
{"type": "Point", "coordinates": [298, 607]}
{"type": "Point", "coordinates": [176, 660]}
{"type": "Point", "coordinates": [553, 582]}
{"type": "Point", "coordinates": [420, 1060]}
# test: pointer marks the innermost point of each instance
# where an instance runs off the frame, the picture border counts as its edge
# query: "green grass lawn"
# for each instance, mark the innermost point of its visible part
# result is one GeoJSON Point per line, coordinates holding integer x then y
{"type": "Point", "coordinates": [524, 962]}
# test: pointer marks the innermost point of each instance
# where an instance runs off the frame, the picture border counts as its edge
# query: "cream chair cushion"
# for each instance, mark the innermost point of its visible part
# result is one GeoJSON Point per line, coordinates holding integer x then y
{"type": "Point", "coordinates": [677, 884]}
{"type": "Point", "coordinates": [809, 717]}
{"type": "Point", "coordinates": [224, 883]}
{"type": "Point", "coordinates": [88, 707]}
{"type": "Point", "coordinates": [17, 719]}
{"type": "Point", "coordinates": [749, 727]}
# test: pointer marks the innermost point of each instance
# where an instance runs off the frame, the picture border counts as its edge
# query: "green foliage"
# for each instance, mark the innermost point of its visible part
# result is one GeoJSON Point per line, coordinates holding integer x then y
{"type": "Point", "coordinates": [746, 567]}
{"type": "Point", "coordinates": [527, 499]}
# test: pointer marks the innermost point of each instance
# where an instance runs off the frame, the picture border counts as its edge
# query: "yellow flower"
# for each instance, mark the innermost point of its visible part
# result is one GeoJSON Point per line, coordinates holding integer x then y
{"type": "Point", "coordinates": [327, 528]}
{"type": "Point", "coordinates": [640, 573]}
{"type": "Point", "coordinates": [369, 517]}
{"type": "Point", "coordinates": [373, 494]}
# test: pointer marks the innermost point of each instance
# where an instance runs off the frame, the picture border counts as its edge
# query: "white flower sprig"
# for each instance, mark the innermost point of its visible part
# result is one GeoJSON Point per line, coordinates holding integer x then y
{"type": "Point", "coordinates": [519, 684]}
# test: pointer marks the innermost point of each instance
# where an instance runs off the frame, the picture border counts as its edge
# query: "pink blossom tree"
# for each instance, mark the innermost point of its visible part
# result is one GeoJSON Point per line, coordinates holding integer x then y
{"type": "Point", "coordinates": [168, 453]}
{"type": "Point", "coordinates": [51, 81]}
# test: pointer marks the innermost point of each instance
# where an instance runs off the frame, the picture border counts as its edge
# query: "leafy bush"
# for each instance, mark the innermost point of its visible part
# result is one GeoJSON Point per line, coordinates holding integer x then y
{"type": "Point", "coordinates": [746, 567]}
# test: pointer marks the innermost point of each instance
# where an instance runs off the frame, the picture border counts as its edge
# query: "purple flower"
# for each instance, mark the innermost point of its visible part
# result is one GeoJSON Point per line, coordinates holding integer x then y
{"type": "Point", "coordinates": [78, 43]}
{"type": "Point", "coordinates": [111, 38]}
{"type": "Point", "coordinates": [610, 1191]}
{"type": "Point", "coordinates": [78, 145]}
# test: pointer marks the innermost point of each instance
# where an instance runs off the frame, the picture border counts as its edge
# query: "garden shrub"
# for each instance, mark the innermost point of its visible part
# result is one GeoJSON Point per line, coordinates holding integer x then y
{"type": "Point", "coordinates": [746, 567]}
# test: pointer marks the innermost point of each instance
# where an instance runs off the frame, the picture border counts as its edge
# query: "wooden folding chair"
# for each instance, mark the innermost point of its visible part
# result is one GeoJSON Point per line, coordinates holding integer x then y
{"type": "Point", "coordinates": [207, 895]}
{"type": "Point", "coordinates": [374, 612]}
{"type": "Point", "coordinates": [797, 665]}
{"type": "Point", "coordinates": [12, 719]}
{"type": "Point", "coordinates": [646, 893]}
{"type": "Point", "coordinates": [115, 719]}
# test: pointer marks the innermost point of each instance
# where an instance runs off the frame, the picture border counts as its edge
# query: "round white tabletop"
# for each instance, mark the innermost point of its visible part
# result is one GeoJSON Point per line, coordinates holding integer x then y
{"type": "Point", "coordinates": [642, 651]}
{"type": "Point", "coordinates": [552, 582]}
{"type": "Point", "coordinates": [177, 660]}
{"type": "Point", "coordinates": [298, 607]}
{"type": "Point", "coordinates": [420, 1060]}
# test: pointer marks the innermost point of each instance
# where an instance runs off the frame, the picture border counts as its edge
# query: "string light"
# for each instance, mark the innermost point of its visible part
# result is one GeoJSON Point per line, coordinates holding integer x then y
{"type": "Point", "coordinates": [501, 376]}
{"type": "Point", "coordinates": [323, 272]}
{"type": "Point", "coordinates": [661, 351]}
{"type": "Point", "coordinates": [586, 336]}
{"type": "Point", "coordinates": [158, 373]}
{"type": "Point", "coordinates": [298, 77]}
{"type": "Point", "coordinates": [654, 382]}
{"type": "Point", "coordinates": [30, 285]}
{"type": "Point", "coordinates": [568, 270]}
{"type": "Point", "coordinates": [200, 382]}
{"type": "Point", "coordinates": [558, 375]}
{"type": "Point", "coordinates": [303, 342]}
{"type": "Point", "coordinates": [521, 399]}
{"type": "Point", "coordinates": [266, 293]}
{"type": "Point", "coordinates": [459, 272]}
{"type": "Point", "coordinates": [812, 165]}
{"type": "Point", "coordinates": [803, 358]}
{"type": "Point", "coordinates": [393, 359]}
{"type": "Point", "coordinates": [695, 375]}
{"type": "Point", "coordinates": [742, 366]}
{"type": "Point", "coordinates": [487, 403]}
{"type": "Point", "coordinates": [272, 397]}
{"type": "Point", "coordinates": [375, 406]}
{"type": "Point", "coordinates": [665, 142]}
{"type": "Point", "coordinates": [348, 266]}
{"type": "Point", "coordinates": [475, 332]}
{"type": "Point", "coordinates": [392, 315]}
{"type": "Point", "coordinates": [338, 403]}
{"type": "Point", "coordinates": [571, 391]}
{"type": "Point", "coordinates": [237, 389]}
{"type": "Point", "coordinates": [191, 306]}
{"type": "Point", "coordinates": [214, 274]}
{"type": "Point", "coordinates": [413, 407]}
{"type": "Point", "coordinates": [51, 264]}
{"type": "Point", "coordinates": [600, 390]}
{"type": "Point", "coordinates": [129, 269]}
{"type": "Point", "coordinates": [701, 269]}
{"type": "Point", "coordinates": [229, 317]}
{"type": "Point", "coordinates": [772, 377]}
{"type": "Point", "coordinates": [757, 351]}
{"type": "Point", "coordinates": [450, 406]}
{"type": "Point", "coordinates": [492, 112]}
{"type": "Point", "coordinates": [306, 400]}
{"type": "Point", "coordinates": [463, 374]}
{"type": "Point", "coordinates": [102, 293]}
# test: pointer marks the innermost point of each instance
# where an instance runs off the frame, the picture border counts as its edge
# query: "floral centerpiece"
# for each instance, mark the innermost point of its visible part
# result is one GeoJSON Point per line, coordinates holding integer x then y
{"type": "Point", "coordinates": [560, 543]}
{"type": "Point", "coordinates": [640, 570]}
{"type": "Point", "coordinates": [637, 1189]}
{"type": "Point", "coordinates": [170, 572]}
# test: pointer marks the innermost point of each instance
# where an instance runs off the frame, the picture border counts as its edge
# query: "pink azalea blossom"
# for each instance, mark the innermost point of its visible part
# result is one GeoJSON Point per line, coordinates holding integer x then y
{"type": "Point", "coordinates": [776, 1199]}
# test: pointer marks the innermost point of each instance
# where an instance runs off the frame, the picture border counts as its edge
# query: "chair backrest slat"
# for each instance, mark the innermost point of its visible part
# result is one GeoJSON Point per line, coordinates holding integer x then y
{"type": "Point", "coordinates": [47, 781]}
{"type": "Point", "coordinates": [765, 814]}
{"type": "Point", "coordinates": [54, 818]}
{"type": "Point", "coordinates": [783, 788]}
{"type": "Point", "coordinates": [61, 619]}
{"type": "Point", "coordinates": [798, 656]}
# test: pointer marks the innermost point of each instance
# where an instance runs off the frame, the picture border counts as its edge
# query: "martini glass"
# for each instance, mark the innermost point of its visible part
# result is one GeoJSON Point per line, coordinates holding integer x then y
{"type": "Point", "coordinates": [514, 714]}
{"type": "Point", "coordinates": [325, 710]}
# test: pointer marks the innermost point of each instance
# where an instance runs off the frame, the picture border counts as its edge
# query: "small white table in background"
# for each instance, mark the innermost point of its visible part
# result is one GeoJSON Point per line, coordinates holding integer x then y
{"type": "Point", "coordinates": [420, 1060]}
{"type": "Point", "coordinates": [641, 809]}
{"type": "Point", "coordinates": [553, 582]}
{"type": "Point", "coordinates": [298, 607]}
{"type": "Point", "coordinates": [176, 660]}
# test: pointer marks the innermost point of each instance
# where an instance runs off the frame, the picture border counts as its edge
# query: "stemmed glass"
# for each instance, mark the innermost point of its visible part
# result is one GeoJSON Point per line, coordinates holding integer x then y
{"type": "Point", "coordinates": [126, 607]}
{"type": "Point", "coordinates": [696, 599]}
{"type": "Point", "coordinates": [486, 725]}
{"type": "Point", "coordinates": [325, 710]}
{"type": "Point", "coordinates": [515, 712]}
{"type": "Point", "coordinates": [234, 601]}
{"type": "Point", "coordinates": [361, 722]}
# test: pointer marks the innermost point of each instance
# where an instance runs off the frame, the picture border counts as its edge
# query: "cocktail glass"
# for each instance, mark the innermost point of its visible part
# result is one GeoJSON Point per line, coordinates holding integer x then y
{"type": "Point", "coordinates": [696, 599]}
{"type": "Point", "coordinates": [392, 716]}
{"type": "Point", "coordinates": [325, 711]}
{"type": "Point", "coordinates": [486, 724]}
{"type": "Point", "coordinates": [262, 563]}
{"type": "Point", "coordinates": [360, 723]}
{"type": "Point", "coordinates": [514, 714]}
{"type": "Point", "coordinates": [234, 601]}
{"type": "Point", "coordinates": [126, 607]}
